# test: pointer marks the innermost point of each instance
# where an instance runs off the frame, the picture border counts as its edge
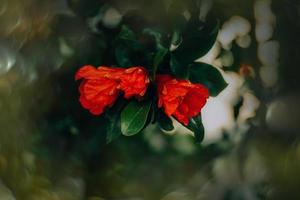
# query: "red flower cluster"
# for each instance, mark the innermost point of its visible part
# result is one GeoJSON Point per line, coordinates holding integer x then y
{"type": "Point", "coordinates": [102, 86]}
{"type": "Point", "coordinates": [180, 98]}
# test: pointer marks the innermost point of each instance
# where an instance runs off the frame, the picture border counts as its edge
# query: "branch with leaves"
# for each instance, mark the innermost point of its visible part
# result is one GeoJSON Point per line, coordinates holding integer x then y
{"type": "Point", "coordinates": [154, 67]}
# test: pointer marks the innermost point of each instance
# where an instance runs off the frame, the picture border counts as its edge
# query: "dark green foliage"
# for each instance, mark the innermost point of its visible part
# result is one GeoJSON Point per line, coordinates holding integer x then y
{"type": "Point", "coordinates": [113, 128]}
{"type": "Point", "coordinates": [164, 121]}
{"type": "Point", "coordinates": [197, 39]}
{"type": "Point", "coordinates": [196, 126]}
{"type": "Point", "coordinates": [143, 39]}
{"type": "Point", "coordinates": [207, 75]}
{"type": "Point", "coordinates": [134, 117]}
{"type": "Point", "coordinates": [165, 41]}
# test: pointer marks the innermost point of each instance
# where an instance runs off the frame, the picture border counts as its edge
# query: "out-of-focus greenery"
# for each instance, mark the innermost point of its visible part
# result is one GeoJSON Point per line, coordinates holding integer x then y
{"type": "Point", "coordinates": [51, 148]}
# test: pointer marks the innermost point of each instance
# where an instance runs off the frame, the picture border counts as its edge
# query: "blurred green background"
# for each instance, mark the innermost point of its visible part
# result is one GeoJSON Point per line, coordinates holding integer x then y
{"type": "Point", "coordinates": [53, 149]}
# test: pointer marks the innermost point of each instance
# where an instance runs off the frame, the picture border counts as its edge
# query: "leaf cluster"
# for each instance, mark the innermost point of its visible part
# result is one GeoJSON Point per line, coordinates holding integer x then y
{"type": "Point", "coordinates": [167, 41]}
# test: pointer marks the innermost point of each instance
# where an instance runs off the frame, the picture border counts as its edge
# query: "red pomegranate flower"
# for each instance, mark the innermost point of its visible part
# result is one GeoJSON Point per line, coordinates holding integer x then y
{"type": "Point", "coordinates": [99, 89]}
{"type": "Point", "coordinates": [101, 86]}
{"type": "Point", "coordinates": [134, 82]}
{"type": "Point", "coordinates": [180, 98]}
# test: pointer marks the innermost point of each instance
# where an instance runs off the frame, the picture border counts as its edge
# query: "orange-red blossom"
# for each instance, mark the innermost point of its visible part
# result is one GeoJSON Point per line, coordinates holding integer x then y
{"type": "Point", "coordinates": [101, 86]}
{"type": "Point", "coordinates": [180, 98]}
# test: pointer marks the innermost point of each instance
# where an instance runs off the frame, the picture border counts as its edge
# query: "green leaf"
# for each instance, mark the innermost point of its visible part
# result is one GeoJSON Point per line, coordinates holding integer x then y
{"type": "Point", "coordinates": [158, 58]}
{"type": "Point", "coordinates": [127, 34]}
{"type": "Point", "coordinates": [197, 127]}
{"type": "Point", "coordinates": [128, 38]}
{"type": "Point", "coordinates": [134, 117]}
{"type": "Point", "coordinates": [208, 76]}
{"type": "Point", "coordinates": [178, 69]}
{"type": "Point", "coordinates": [164, 121]}
{"type": "Point", "coordinates": [128, 49]}
{"type": "Point", "coordinates": [113, 128]}
{"type": "Point", "coordinates": [123, 56]}
{"type": "Point", "coordinates": [161, 51]}
{"type": "Point", "coordinates": [196, 43]}
{"type": "Point", "coordinates": [156, 34]}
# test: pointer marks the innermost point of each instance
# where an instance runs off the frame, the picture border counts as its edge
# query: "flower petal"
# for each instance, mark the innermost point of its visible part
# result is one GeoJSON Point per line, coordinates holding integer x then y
{"type": "Point", "coordinates": [87, 72]}
{"type": "Point", "coordinates": [134, 82]}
